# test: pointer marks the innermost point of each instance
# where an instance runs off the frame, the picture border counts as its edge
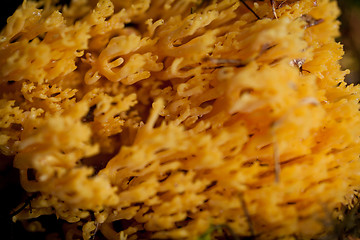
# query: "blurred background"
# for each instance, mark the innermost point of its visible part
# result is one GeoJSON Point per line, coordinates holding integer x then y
{"type": "Point", "coordinates": [350, 37]}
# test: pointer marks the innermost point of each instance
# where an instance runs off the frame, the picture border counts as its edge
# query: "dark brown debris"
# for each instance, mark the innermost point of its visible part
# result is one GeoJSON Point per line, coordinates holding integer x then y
{"type": "Point", "coordinates": [311, 21]}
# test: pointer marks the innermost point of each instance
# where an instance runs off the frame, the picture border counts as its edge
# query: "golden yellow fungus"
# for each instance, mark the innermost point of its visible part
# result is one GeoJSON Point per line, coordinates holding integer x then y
{"type": "Point", "coordinates": [174, 116]}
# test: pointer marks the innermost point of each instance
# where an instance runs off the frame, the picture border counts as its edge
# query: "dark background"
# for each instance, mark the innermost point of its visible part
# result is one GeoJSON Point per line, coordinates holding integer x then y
{"type": "Point", "coordinates": [7, 8]}
{"type": "Point", "coordinates": [350, 37]}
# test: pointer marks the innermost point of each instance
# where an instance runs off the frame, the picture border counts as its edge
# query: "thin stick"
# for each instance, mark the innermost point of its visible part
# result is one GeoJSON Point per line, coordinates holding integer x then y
{"type": "Point", "coordinates": [248, 7]}
{"type": "Point", "coordinates": [247, 215]}
{"type": "Point", "coordinates": [95, 231]}
{"type": "Point", "coordinates": [280, 5]}
{"type": "Point", "coordinates": [273, 8]}
{"type": "Point", "coordinates": [277, 167]}
{"type": "Point", "coordinates": [27, 203]}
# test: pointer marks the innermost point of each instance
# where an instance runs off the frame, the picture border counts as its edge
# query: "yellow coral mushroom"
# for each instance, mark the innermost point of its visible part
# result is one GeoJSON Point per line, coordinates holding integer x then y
{"type": "Point", "coordinates": [174, 116]}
